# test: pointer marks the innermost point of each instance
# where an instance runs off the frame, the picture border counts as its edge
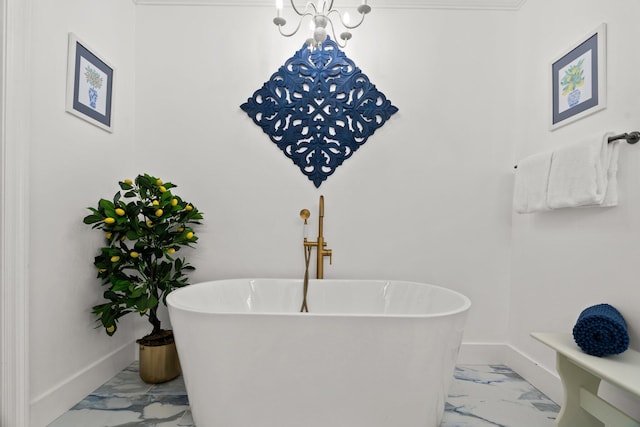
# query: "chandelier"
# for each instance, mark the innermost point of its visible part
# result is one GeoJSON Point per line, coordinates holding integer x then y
{"type": "Point", "coordinates": [321, 14]}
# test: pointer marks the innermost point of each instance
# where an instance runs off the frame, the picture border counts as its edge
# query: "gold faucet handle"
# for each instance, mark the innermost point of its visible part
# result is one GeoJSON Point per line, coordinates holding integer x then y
{"type": "Point", "coordinates": [329, 252]}
{"type": "Point", "coordinates": [305, 214]}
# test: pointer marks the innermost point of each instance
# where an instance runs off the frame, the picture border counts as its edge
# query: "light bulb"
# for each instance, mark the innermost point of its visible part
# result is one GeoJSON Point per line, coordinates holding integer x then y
{"type": "Point", "coordinates": [346, 18]}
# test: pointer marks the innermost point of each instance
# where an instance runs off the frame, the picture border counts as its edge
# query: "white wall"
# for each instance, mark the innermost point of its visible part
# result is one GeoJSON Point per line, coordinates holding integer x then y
{"type": "Point", "coordinates": [72, 165]}
{"type": "Point", "coordinates": [426, 198]}
{"type": "Point", "coordinates": [567, 260]}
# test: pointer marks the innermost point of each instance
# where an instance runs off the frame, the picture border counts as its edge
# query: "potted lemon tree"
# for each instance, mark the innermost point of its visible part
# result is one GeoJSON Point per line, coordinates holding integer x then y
{"type": "Point", "coordinates": [145, 225]}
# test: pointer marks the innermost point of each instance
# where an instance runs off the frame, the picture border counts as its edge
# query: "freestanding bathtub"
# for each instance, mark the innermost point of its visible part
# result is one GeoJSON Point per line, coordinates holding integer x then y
{"type": "Point", "coordinates": [368, 353]}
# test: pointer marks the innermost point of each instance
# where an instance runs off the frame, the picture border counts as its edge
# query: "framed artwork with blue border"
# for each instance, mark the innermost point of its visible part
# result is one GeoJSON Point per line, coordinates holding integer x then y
{"type": "Point", "coordinates": [578, 80]}
{"type": "Point", "coordinates": [89, 85]}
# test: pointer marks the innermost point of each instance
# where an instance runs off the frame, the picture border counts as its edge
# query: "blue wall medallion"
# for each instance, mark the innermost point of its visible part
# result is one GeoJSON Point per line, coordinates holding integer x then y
{"type": "Point", "coordinates": [319, 108]}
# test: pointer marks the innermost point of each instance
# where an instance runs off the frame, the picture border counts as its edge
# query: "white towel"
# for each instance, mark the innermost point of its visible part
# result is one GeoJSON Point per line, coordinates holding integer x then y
{"type": "Point", "coordinates": [530, 187]}
{"type": "Point", "coordinates": [584, 174]}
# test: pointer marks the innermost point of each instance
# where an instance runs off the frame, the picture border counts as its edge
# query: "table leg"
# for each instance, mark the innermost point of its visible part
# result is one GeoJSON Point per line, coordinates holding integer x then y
{"type": "Point", "coordinates": [573, 379]}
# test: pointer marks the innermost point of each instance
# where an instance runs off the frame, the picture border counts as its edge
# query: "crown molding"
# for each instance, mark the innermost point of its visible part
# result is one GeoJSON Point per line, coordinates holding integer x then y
{"type": "Point", "coordinates": [377, 4]}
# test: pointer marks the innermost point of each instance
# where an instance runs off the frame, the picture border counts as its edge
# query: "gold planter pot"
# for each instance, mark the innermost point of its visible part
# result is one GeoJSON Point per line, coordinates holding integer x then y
{"type": "Point", "coordinates": [159, 363]}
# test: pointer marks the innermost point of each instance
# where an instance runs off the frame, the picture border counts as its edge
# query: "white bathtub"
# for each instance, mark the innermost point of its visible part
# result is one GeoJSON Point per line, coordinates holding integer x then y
{"type": "Point", "coordinates": [368, 353]}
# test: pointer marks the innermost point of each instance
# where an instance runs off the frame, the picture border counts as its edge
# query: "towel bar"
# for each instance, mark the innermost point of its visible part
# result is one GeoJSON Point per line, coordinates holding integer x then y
{"type": "Point", "coordinates": [631, 137]}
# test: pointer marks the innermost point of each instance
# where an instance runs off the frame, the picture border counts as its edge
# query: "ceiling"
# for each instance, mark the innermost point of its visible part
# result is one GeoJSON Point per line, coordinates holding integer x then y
{"type": "Point", "coordinates": [378, 4]}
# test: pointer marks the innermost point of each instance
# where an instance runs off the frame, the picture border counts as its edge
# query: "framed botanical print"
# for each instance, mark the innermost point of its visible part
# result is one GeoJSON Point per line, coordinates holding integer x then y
{"type": "Point", "coordinates": [578, 80]}
{"type": "Point", "coordinates": [89, 85]}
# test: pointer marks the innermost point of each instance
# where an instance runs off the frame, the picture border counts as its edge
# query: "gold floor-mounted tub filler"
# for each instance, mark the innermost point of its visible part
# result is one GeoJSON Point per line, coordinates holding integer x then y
{"type": "Point", "coordinates": [321, 251]}
{"type": "Point", "coordinates": [319, 243]}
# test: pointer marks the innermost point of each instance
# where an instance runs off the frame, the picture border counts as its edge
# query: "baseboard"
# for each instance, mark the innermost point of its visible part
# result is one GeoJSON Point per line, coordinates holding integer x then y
{"type": "Point", "coordinates": [474, 353]}
{"type": "Point", "coordinates": [540, 377]}
{"type": "Point", "coordinates": [501, 353]}
{"type": "Point", "coordinates": [50, 405]}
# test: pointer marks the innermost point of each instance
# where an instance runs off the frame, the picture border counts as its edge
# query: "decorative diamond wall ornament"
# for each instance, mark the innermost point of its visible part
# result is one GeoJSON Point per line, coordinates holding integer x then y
{"type": "Point", "coordinates": [319, 108]}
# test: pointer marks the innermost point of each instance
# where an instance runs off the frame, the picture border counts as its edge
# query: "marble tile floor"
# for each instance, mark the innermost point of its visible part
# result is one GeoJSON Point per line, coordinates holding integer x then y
{"type": "Point", "coordinates": [481, 395]}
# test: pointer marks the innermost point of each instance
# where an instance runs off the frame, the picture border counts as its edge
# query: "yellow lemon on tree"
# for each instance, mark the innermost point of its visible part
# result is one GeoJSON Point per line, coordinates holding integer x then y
{"type": "Point", "coordinates": [159, 181]}
{"type": "Point", "coordinates": [189, 207]}
{"type": "Point", "coordinates": [149, 223]}
{"type": "Point", "coordinates": [115, 258]}
{"type": "Point", "coordinates": [108, 235]}
{"type": "Point", "coordinates": [111, 329]}
{"type": "Point", "coordinates": [102, 270]}
{"type": "Point", "coordinates": [171, 251]}
{"type": "Point", "coordinates": [174, 202]}
{"type": "Point", "coordinates": [180, 229]}
{"type": "Point", "coordinates": [155, 203]}
{"type": "Point", "coordinates": [134, 254]}
{"type": "Point", "coordinates": [189, 235]}
{"type": "Point", "coordinates": [128, 181]}
{"type": "Point", "coordinates": [109, 220]}
{"type": "Point", "coordinates": [159, 212]}
{"type": "Point", "coordinates": [120, 211]}
{"type": "Point", "coordinates": [162, 189]}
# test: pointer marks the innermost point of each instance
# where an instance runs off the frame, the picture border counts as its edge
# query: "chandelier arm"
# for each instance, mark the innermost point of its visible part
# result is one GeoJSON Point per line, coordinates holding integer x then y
{"type": "Point", "coordinates": [342, 46]}
{"type": "Point", "coordinates": [336, 39]}
{"type": "Point", "coordinates": [305, 12]}
{"type": "Point", "coordinates": [349, 27]}
{"type": "Point", "coordinates": [294, 31]}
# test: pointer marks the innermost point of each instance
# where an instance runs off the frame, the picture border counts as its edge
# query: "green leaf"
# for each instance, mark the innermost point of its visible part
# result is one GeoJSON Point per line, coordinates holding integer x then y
{"type": "Point", "coordinates": [144, 181]}
{"type": "Point", "coordinates": [105, 204]}
{"type": "Point", "coordinates": [92, 219]}
{"type": "Point", "coordinates": [121, 285]}
{"type": "Point", "coordinates": [110, 295]}
{"type": "Point", "coordinates": [95, 211]}
{"type": "Point", "coordinates": [166, 197]}
{"type": "Point", "coordinates": [109, 209]}
{"type": "Point", "coordinates": [152, 302]}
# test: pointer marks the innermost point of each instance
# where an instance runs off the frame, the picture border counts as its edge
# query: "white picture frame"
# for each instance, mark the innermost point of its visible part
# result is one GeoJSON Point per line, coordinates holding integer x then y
{"type": "Point", "coordinates": [90, 85]}
{"type": "Point", "coordinates": [579, 79]}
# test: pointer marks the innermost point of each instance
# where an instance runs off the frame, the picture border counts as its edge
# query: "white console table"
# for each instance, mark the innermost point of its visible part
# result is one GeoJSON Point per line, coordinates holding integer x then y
{"type": "Point", "coordinates": [581, 375]}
